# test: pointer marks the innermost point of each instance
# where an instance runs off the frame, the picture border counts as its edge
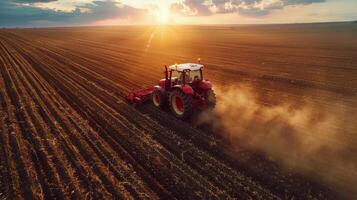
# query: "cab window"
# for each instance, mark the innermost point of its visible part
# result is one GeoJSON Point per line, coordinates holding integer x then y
{"type": "Point", "coordinates": [193, 76]}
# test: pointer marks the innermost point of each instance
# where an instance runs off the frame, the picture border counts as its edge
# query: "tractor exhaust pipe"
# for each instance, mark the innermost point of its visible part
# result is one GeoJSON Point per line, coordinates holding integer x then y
{"type": "Point", "coordinates": [167, 81]}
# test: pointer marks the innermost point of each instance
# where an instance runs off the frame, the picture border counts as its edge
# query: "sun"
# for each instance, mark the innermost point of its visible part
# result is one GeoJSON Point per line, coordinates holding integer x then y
{"type": "Point", "coordinates": [163, 15]}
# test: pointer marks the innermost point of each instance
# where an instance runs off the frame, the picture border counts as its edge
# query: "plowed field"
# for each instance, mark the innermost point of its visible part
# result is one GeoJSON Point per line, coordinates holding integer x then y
{"type": "Point", "coordinates": [68, 133]}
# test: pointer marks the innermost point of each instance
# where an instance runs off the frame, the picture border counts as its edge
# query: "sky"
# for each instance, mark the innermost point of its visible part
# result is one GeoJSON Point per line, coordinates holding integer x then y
{"type": "Point", "coordinates": [49, 13]}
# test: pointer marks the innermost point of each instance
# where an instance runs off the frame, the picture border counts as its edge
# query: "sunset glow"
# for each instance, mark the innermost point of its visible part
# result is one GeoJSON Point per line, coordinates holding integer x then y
{"type": "Point", "coordinates": [163, 15]}
{"type": "Point", "coordinates": [42, 13]}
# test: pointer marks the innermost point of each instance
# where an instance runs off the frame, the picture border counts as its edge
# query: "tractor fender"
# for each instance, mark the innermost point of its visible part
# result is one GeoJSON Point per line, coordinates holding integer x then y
{"type": "Point", "coordinates": [158, 87]}
{"type": "Point", "coordinates": [186, 89]}
{"type": "Point", "coordinates": [205, 85]}
{"type": "Point", "coordinates": [162, 83]}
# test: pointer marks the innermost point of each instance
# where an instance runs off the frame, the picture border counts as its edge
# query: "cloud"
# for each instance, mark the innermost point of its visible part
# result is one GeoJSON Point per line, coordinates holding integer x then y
{"type": "Point", "coordinates": [33, 1]}
{"type": "Point", "coordinates": [108, 10]}
{"type": "Point", "coordinates": [192, 7]}
{"type": "Point", "coordinates": [243, 7]}
{"type": "Point", "coordinates": [14, 14]}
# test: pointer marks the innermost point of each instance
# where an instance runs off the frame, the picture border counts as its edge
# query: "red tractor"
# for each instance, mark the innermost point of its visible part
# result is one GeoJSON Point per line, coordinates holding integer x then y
{"type": "Point", "coordinates": [183, 89]}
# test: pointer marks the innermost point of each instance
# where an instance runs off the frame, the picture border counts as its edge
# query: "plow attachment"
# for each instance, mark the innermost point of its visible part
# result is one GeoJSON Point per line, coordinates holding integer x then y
{"type": "Point", "coordinates": [140, 96]}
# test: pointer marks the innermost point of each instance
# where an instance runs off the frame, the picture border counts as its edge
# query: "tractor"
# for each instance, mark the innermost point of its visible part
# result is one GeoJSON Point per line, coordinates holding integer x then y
{"type": "Point", "coordinates": [183, 90]}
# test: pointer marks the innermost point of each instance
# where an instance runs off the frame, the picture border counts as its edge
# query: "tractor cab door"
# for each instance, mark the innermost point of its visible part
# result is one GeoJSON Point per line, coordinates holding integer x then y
{"type": "Point", "coordinates": [184, 77]}
{"type": "Point", "coordinates": [194, 76]}
{"type": "Point", "coordinates": [175, 77]}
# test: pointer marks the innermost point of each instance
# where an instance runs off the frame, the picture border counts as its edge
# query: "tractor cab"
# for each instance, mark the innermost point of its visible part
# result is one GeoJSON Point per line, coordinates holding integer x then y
{"type": "Point", "coordinates": [181, 74]}
{"type": "Point", "coordinates": [187, 73]}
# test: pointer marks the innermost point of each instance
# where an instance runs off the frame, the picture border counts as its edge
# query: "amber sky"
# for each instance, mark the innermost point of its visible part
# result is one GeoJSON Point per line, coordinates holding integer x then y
{"type": "Point", "coordinates": [28, 13]}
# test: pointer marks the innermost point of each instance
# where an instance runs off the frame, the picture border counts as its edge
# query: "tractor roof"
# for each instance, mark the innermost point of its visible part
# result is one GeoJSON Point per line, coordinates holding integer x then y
{"type": "Point", "coordinates": [185, 66]}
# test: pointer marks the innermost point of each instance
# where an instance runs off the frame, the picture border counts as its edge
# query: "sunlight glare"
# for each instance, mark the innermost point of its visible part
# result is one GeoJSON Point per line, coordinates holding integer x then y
{"type": "Point", "coordinates": [163, 15]}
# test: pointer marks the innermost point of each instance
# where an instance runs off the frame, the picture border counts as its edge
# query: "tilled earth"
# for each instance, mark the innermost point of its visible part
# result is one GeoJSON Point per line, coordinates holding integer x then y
{"type": "Point", "coordinates": [68, 133]}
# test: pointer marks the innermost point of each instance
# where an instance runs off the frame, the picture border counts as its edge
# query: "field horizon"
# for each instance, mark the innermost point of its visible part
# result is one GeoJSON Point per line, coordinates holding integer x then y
{"type": "Point", "coordinates": [182, 25]}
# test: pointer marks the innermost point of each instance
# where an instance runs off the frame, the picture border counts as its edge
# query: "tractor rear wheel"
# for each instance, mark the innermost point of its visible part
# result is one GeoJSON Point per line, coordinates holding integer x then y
{"type": "Point", "coordinates": [158, 98]}
{"type": "Point", "coordinates": [181, 104]}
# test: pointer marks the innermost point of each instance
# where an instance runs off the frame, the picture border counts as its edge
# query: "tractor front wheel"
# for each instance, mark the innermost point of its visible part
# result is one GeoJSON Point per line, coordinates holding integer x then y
{"type": "Point", "coordinates": [158, 98]}
{"type": "Point", "coordinates": [181, 104]}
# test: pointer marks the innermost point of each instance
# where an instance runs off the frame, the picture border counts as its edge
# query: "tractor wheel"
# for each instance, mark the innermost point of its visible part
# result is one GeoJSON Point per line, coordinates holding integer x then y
{"type": "Point", "coordinates": [211, 99]}
{"type": "Point", "coordinates": [181, 104]}
{"type": "Point", "coordinates": [158, 98]}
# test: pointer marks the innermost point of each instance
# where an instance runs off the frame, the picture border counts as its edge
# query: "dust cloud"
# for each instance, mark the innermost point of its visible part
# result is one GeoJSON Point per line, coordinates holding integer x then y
{"type": "Point", "coordinates": [301, 137]}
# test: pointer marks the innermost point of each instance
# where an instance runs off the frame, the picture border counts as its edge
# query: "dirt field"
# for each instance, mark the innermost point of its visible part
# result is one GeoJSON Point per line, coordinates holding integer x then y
{"type": "Point", "coordinates": [67, 131]}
